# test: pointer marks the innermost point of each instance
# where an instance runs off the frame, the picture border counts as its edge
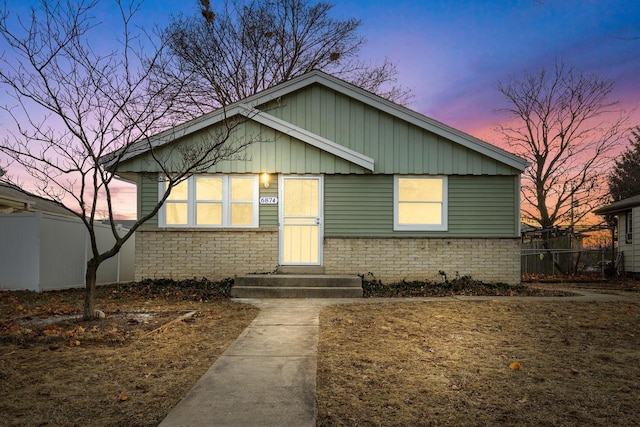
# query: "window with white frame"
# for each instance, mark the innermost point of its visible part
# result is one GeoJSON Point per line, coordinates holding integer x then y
{"type": "Point", "coordinates": [211, 201]}
{"type": "Point", "coordinates": [420, 203]}
{"type": "Point", "coordinates": [628, 228]}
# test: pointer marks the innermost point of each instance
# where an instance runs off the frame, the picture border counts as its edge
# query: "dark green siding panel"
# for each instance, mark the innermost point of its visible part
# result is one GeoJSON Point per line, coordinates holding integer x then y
{"type": "Point", "coordinates": [479, 206]}
{"type": "Point", "coordinates": [482, 205]}
{"type": "Point", "coordinates": [147, 197]}
{"type": "Point", "coordinates": [269, 213]}
{"type": "Point", "coordinates": [358, 205]}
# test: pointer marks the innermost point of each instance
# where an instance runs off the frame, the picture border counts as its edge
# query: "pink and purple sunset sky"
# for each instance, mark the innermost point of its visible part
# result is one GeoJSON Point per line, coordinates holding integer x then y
{"type": "Point", "coordinates": [452, 54]}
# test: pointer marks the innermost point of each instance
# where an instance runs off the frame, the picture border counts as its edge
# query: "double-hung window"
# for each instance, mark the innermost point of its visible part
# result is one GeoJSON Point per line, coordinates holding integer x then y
{"type": "Point", "coordinates": [420, 203]}
{"type": "Point", "coordinates": [628, 228]}
{"type": "Point", "coordinates": [211, 201]}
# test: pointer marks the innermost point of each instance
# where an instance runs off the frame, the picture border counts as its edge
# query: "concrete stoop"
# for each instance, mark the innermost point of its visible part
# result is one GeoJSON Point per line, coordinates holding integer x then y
{"type": "Point", "coordinates": [296, 286]}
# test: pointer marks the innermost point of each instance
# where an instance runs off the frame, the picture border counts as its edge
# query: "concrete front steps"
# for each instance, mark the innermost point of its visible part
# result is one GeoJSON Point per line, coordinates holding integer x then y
{"type": "Point", "coordinates": [291, 285]}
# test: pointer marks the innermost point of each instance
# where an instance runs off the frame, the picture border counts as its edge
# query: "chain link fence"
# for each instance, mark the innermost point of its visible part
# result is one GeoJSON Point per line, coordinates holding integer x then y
{"type": "Point", "coordinates": [596, 262]}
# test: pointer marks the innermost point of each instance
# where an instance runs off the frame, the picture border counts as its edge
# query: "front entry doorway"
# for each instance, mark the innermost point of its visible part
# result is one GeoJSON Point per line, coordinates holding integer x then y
{"type": "Point", "coordinates": [301, 220]}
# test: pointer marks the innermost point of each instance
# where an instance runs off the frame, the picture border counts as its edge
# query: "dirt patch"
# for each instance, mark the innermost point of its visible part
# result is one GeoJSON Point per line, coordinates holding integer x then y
{"type": "Point", "coordinates": [501, 362]}
{"type": "Point", "coordinates": [56, 369]}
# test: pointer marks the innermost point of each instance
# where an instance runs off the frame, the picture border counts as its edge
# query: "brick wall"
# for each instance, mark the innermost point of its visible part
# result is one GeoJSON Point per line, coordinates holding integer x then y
{"type": "Point", "coordinates": [394, 259]}
{"type": "Point", "coordinates": [187, 253]}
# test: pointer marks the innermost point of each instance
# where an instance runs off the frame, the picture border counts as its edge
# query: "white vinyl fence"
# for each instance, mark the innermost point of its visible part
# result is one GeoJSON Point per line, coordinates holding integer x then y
{"type": "Point", "coordinates": [40, 252]}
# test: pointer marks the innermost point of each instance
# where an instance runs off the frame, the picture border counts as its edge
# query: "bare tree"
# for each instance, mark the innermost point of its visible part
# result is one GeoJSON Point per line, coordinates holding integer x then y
{"type": "Point", "coordinates": [76, 109]}
{"type": "Point", "coordinates": [246, 46]}
{"type": "Point", "coordinates": [564, 124]}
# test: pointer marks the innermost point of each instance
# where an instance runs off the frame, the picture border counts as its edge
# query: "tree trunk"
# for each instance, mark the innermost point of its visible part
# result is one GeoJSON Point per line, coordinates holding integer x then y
{"type": "Point", "coordinates": [90, 290]}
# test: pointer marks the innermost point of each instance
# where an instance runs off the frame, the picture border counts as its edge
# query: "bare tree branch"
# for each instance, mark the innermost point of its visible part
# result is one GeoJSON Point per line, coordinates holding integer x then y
{"type": "Point", "coordinates": [247, 46]}
{"type": "Point", "coordinates": [72, 107]}
{"type": "Point", "coordinates": [564, 124]}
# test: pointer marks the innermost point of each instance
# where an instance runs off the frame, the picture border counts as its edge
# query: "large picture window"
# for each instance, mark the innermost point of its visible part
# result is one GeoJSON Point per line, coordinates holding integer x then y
{"type": "Point", "coordinates": [420, 203]}
{"type": "Point", "coordinates": [211, 201]}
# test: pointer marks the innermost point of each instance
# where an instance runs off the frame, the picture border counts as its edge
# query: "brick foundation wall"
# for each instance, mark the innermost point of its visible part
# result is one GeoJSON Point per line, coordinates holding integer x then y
{"type": "Point", "coordinates": [187, 253]}
{"type": "Point", "coordinates": [394, 259]}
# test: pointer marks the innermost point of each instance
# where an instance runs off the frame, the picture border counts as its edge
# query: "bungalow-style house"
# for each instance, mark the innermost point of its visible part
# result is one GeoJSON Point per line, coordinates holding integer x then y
{"type": "Point", "coordinates": [628, 238]}
{"type": "Point", "coordinates": [339, 180]}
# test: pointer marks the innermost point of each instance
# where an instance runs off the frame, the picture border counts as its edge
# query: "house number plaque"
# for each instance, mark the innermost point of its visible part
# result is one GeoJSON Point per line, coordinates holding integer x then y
{"type": "Point", "coordinates": [268, 200]}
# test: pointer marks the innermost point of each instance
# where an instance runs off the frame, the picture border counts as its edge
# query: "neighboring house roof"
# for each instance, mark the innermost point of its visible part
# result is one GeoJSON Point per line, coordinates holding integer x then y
{"type": "Point", "coordinates": [619, 206]}
{"type": "Point", "coordinates": [246, 108]}
{"type": "Point", "coordinates": [14, 200]}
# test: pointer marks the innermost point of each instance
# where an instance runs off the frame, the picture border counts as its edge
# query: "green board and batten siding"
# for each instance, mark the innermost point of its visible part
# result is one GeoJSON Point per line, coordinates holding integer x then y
{"type": "Point", "coordinates": [398, 147]}
{"type": "Point", "coordinates": [271, 152]}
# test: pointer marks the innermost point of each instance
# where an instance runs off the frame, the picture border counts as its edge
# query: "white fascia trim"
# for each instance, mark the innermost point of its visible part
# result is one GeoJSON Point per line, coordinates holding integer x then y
{"type": "Point", "coordinates": [309, 137]}
{"type": "Point", "coordinates": [175, 133]}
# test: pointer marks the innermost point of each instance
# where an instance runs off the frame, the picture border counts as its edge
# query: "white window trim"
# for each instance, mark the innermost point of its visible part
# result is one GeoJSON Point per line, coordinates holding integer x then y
{"type": "Point", "coordinates": [628, 227]}
{"type": "Point", "coordinates": [226, 203]}
{"type": "Point", "coordinates": [444, 226]}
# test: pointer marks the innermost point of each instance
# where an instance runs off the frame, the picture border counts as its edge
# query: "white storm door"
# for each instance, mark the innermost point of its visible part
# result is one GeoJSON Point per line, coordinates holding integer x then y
{"type": "Point", "coordinates": [300, 220]}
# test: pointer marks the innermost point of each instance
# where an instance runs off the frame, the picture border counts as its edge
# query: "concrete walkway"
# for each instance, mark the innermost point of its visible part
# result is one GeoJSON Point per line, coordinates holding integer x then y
{"type": "Point", "coordinates": [267, 377]}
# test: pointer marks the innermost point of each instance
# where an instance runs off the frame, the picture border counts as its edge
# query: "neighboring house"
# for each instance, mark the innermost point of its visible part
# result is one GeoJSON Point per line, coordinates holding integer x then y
{"type": "Point", "coordinates": [15, 200]}
{"type": "Point", "coordinates": [628, 237]}
{"type": "Point", "coordinates": [339, 179]}
{"type": "Point", "coordinates": [43, 246]}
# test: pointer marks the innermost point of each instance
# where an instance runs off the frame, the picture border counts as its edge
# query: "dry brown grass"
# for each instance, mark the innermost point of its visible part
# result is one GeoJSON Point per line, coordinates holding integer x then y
{"type": "Point", "coordinates": [409, 363]}
{"type": "Point", "coordinates": [57, 371]}
{"type": "Point", "coordinates": [450, 363]}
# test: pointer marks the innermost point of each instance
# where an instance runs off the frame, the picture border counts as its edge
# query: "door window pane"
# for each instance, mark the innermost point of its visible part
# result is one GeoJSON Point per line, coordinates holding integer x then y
{"type": "Point", "coordinates": [301, 197]}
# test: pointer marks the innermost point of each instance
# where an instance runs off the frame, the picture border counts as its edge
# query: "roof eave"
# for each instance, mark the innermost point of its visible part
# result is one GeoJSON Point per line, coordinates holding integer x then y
{"type": "Point", "coordinates": [316, 76]}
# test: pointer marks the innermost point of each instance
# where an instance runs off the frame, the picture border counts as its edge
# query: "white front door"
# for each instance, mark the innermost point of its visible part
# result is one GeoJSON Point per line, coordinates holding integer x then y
{"type": "Point", "coordinates": [300, 220]}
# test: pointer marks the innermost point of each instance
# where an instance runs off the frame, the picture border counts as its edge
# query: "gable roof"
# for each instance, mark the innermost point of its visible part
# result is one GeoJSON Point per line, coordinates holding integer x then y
{"type": "Point", "coordinates": [619, 206]}
{"type": "Point", "coordinates": [15, 199]}
{"type": "Point", "coordinates": [246, 108]}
